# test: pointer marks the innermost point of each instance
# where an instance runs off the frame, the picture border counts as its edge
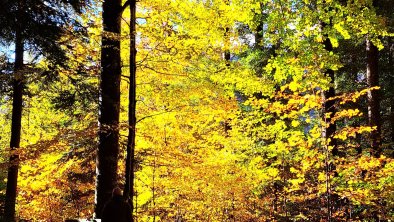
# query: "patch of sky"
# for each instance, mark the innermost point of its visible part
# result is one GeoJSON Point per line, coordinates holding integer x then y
{"type": "Point", "coordinates": [141, 21]}
{"type": "Point", "coordinates": [8, 51]}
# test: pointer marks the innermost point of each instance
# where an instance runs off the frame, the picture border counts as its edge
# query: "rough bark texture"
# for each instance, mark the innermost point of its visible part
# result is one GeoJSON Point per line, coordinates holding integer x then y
{"type": "Point", "coordinates": [130, 160]}
{"type": "Point", "coordinates": [18, 85]}
{"type": "Point", "coordinates": [374, 118]}
{"type": "Point", "coordinates": [108, 148]}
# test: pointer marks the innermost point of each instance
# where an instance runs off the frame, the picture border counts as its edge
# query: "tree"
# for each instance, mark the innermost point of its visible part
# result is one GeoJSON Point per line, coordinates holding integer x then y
{"type": "Point", "coordinates": [60, 131]}
{"type": "Point", "coordinates": [22, 27]}
{"type": "Point", "coordinates": [372, 75]}
{"type": "Point", "coordinates": [217, 136]}
{"type": "Point", "coordinates": [108, 148]}
{"type": "Point", "coordinates": [374, 119]}
{"type": "Point", "coordinates": [330, 104]}
{"type": "Point", "coordinates": [16, 127]}
{"type": "Point", "coordinates": [130, 152]}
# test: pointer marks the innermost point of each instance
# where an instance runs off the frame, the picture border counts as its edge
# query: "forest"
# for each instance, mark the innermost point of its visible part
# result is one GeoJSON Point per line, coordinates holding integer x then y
{"type": "Point", "coordinates": [198, 110]}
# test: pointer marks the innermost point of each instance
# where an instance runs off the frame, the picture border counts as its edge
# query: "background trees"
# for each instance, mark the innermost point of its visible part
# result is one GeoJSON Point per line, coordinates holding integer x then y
{"type": "Point", "coordinates": [38, 25]}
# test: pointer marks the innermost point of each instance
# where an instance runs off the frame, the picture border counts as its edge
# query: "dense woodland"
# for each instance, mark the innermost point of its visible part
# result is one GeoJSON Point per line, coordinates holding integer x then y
{"type": "Point", "coordinates": [200, 110]}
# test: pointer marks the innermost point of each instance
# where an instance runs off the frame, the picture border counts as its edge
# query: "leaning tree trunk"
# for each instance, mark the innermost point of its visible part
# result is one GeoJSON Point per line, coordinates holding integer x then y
{"type": "Point", "coordinates": [374, 118]}
{"type": "Point", "coordinates": [108, 148]}
{"type": "Point", "coordinates": [18, 85]}
{"type": "Point", "coordinates": [130, 160]}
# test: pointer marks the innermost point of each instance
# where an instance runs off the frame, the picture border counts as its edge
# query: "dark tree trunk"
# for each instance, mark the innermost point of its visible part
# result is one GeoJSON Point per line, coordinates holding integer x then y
{"type": "Point", "coordinates": [18, 85]}
{"type": "Point", "coordinates": [329, 105]}
{"type": "Point", "coordinates": [130, 160]}
{"type": "Point", "coordinates": [259, 36]}
{"type": "Point", "coordinates": [374, 118]}
{"type": "Point", "coordinates": [391, 72]}
{"type": "Point", "coordinates": [227, 53]}
{"type": "Point", "coordinates": [329, 108]}
{"type": "Point", "coordinates": [108, 148]}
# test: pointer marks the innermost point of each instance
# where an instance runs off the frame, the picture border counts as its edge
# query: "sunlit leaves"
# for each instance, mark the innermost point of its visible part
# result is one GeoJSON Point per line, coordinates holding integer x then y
{"type": "Point", "coordinates": [217, 140]}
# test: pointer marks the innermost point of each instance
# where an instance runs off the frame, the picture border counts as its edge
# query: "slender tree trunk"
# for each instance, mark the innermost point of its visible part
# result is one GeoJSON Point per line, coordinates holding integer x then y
{"type": "Point", "coordinates": [227, 53]}
{"type": "Point", "coordinates": [18, 85]}
{"type": "Point", "coordinates": [329, 105]}
{"type": "Point", "coordinates": [358, 122]}
{"type": "Point", "coordinates": [130, 160]}
{"type": "Point", "coordinates": [259, 35]}
{"type": "Point", "coordinates": [154, 186]}
{"type": "Point", "coordinates": [390, 43]}
{"type": "Point", "coordinates": [374, 118]}
{"type": "Point", "coordinates": [227, 58]}
{"type": "Point", "coordinates": [108, 148]}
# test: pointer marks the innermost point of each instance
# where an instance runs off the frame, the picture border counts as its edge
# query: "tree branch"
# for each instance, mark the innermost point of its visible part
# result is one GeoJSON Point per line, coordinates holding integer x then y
{"type": "Point", "coordinates": [125, 5]}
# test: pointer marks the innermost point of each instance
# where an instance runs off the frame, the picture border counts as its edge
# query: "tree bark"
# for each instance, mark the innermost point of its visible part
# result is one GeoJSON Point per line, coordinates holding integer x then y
{"type": "Point", "coordinates": [259, 35]}
{"type": "Point", "coordinates": [108, 148]}
{"type": "Point", "coordinates": [17, 100]}
{"type": "Point", "coordinates": [374, 118]}
{"type": "Point", "coordinates": [391, 74]}
{"type": "Point", "coordinates": [329, 105]}
{"type": "Point", "coordinates": [130, 160]}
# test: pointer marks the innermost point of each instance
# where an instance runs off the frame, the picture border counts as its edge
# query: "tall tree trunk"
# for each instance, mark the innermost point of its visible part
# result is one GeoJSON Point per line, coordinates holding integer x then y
{"type": "Point", "coordinates": [391, 74]}
{"type": "Point", "coordinates": [130, 160]}
{"type": "Point", "coordinates": [374, 118]}
{"type": "Point", "coordinates": [108, 148]}
{"type": "Point", "coordinates": [329, 105]}
{"type": "Point", "coordinates": [18, 85]}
